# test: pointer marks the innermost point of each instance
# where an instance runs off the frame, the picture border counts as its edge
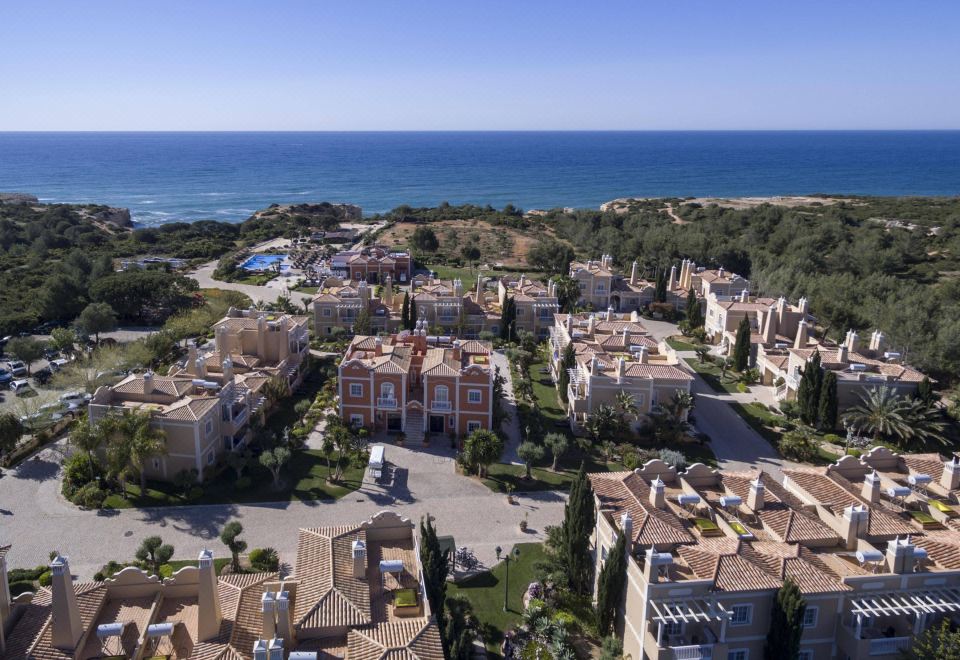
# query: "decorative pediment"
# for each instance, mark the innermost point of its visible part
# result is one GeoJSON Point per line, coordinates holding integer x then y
{"type": "Point", "coordinates": [699, 475]}
{"type": "Point", "coordinates": [656, 468]}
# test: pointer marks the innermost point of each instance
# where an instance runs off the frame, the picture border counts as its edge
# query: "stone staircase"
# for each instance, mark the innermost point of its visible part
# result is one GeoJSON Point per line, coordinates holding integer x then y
{"type": "Point", "coordinates": [414, 429]}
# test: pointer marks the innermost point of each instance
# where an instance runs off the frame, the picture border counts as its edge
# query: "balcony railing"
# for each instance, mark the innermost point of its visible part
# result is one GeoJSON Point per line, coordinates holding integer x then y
{"type": "Point", "coordinates": [240, 417]}
{"type": "Point", "coordinates": [697, 652]}
{"type": "Point", "coordinates": [386, 402]}
{"type": "Point", "coordinates": [889, 645]}
{"type": "Point", "coordinates": [441, 405]}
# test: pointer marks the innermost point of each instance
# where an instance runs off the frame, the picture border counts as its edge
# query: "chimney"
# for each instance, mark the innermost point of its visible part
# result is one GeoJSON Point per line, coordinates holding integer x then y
{"type": "Point", "coordinates": [633, 272]}
{"type": "Point", "coordinates": [359, 559]}
{"type": "Point", "coordinates": [900, 555]}
{"type": "Point", "coordinates": [842, 353]}
{"type": "Point", "coordinates": [378, 346]}
{"type": "Point", "coordinates": [653, 563]}
{"type": "Point", "coordinates": [479, 288]}
{"type": "Point", "coordinates": [642, 358]}
{"type": "Point", "coordinates": [388, 291]}
{"type": "Point", "coordinates": [275, 649]}
{"type": "Point", "coordinates": [260, 650]}
{"type": "Point", "coordinates": [621, 369]}
{"type": "Point", "coordinates": [208, 601]}
{"type": "Point", "coordinates": [200, 368]}
{"type": "Point", "coordinates": [591, 323]}
{"type": "Point", "coordinates": [284, 618]}
{"type": "Point", "coordinates": [781, 304]}
{"type": "Point", "coordinates": [626, 527]}
{"type": "Point", "coordinates": [672, 282]}
{"type": "Point", "coordinates": [457, 352]}
{"type": "Point", "coordinates": [261, 336]}
{"type": "Point", "coordinates": [66, 628]}
{"type": "Point", "coordinates": [770, 327]}
{"type": "Point", "coordinates": [192, 358]}
{"type": "Point", "coordinates": [268, 608]}
{"type": "Point", "coordinates": [227, 368]}
{"type": "Point", "coordinates": [683, 273]}
{"type": "Point", "coordinates": [458, 288]}
{"type": "Point", "coordinates": [610, 313]}
{"type": "Point", "coordinates": [852, 341]}
{"type": "Point", "coordinates": [755, 496]}
{"type": "Point", "coordinates": [802, 336]}
{"type": "Point", "coordinates": [148, 382]}
{"type": "Point", "coordinates": [744, 296]}
{"type": "Point", "coordinates": [855, 521]}
{"type": "Point", "coordinates": [626, 339]}
{"type": "Point", "coordinates": [720, 272]}
{"type": "Point", "coordinates": [658, 493]}
{"type": "Point", "coordinates": [594, 366]}
{"type": "Point", "coordinates": [221, 340]}
{"type": "Point", "coordinates": [949, 479]}
{"type": "Point", "coordinates": [284, 337]}
{"type": "Point", "coordinates": [803, 305]}
{"type": "Point", "coordinates": [871, 487]}
{"type": "Point", "coordinates": [634, 317]}
{"type": "Point", "coordinates": [570, 325]}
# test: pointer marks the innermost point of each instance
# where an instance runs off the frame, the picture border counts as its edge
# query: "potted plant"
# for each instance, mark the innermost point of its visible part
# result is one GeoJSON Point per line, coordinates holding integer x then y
{"type": "Point", "coordinates": [523, 523]}
{"type": "Point", "coordinates": [510, 489]}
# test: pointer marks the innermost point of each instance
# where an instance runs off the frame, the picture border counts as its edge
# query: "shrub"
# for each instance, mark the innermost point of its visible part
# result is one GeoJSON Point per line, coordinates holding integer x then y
{"type": "Point", "coordinates": [25, 574]}
{"type": "Point", "coordinates": [185, 479]}
{"type": "Point", "coordinates": [631, 460]}
{"type": "Point", "coordinates": [674, 458]}
{"type": "Point", "coordinates": [90, 496]}
{"type": "Point", "coordinates": [743, 389]}
{"type": "Point", "coordinates": [78, 471]}
{"type": "Point", "coordinates": [833, 438]}
{"type": "Point", "coordinates": [264, 560]}
{"type": "Point", "coordinates": [790, 409]}
{"type": "Point", "coordinates": [195, 493]}
{"type": "Point", "coordinates": [46, 579]}
{"type": "Point", "coordinates": [798, 445]}
{"type": "Point", "coordinates": [243, 483]}
{"type": "Point", "coordinates": [21, 587]}
{"type": "Point", "coordinates": [166, 570]}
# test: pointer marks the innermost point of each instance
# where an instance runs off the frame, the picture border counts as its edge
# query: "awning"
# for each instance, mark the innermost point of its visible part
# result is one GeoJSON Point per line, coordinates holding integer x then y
{"type": "Point", "coordinates": [687, 611]}
{"type": "Point", "coordinates": [900, 602]}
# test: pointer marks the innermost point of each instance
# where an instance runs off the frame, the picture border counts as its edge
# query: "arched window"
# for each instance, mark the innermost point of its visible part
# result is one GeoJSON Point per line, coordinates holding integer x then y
{"type": "Point", "coordinates": [441, 393]}
{"type": "Point", "coordinates": [386, 391]}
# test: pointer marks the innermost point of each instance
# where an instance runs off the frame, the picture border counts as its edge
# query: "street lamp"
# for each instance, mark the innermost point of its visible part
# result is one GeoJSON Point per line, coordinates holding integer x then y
{"type": "Point", "coordinates": [507, 558]}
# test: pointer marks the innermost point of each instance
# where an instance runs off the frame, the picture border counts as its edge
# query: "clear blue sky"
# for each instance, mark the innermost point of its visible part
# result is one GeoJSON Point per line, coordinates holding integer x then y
{"type": "Point", "coordinates": [456, 64]}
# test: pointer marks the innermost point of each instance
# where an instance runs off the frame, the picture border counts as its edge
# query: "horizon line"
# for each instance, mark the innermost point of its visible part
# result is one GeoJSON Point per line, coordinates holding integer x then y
{"type": "Point", "coordinates": [495, 130]}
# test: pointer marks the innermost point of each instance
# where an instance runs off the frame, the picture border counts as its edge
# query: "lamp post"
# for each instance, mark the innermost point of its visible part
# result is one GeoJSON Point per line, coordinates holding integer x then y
{"type": "Point", "coordinates": [507, 558]}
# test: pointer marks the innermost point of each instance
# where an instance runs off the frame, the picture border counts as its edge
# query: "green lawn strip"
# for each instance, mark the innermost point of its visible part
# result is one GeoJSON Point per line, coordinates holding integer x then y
{"type": "Point", "coordinates": [712, 375]}
{"type": "Point", "coordinates": [465, 274]}
{"type": "Point", "coordinates": [501, 474]}
{"type": "Point", "coordinates": [485, 592]}
{"type": "Point", "coordinates": [680, 345]}
{"type": "Point", "coordinates": [304, 478]}
{"type": "Point", "coordinates": [307, 289]}
{"type": "Point", "coordinates": [219, 563]}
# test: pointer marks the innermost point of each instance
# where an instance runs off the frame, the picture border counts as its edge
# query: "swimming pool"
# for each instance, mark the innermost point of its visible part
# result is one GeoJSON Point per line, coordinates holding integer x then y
{"type": "Point", "coordinates": [263, 261]}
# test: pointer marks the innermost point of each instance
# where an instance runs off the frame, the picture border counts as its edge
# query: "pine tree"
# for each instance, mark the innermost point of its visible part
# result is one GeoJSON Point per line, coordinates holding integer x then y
{"type": "Point", "coordinates": [412, 320]}
{"type": "Point", "coordinates": [578, 522]}
{"type": "Point", "coordinates": [435, 564]}
{"type": "Point", "coordinates": [610, 585]}
{"type": "Point", "coordinates": [567, 360]}
{"type": "Point", "coordinates": [786, 623]}
{"type": "Point", "coordinates": [361, 324]}
{"type": "Point", "coordinates": [508, 319]}
{"type": "Point", "coordinates": [827, 405]}
{"type": "Point", "coordinates": [808, 392]}
{"type": "Point", "coordinates": [405, 312]}
{"type": "Point", "coordinates": [694, 313]}
{"type": "Point", "coordinates": [741, 348]}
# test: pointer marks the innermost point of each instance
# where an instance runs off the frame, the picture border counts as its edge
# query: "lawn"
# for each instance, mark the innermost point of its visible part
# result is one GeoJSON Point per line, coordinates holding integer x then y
{"type": "Point", "coordinates": [304, 478]}
{"type": "Point", "coordinates": [468, 275]}
{"type": "Point", "coordinates": [219, 563]}
{"type": "Point", "coordinates": [501, 474]}
{"type": "Point", "coordinates": [765, 422]}
{"type": "Point", "coordinates": [680, 344]}
{"type": "Point", "coordinates": [485, 592]}
{"type": "Point", "coordinates": [712, 375]}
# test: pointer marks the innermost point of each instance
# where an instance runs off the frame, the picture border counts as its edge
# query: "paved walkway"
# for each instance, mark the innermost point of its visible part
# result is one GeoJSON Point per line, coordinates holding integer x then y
{"type": "Point", "coordinates": [511, 427]}
{"type": "Point", "coordinates": [204, 277]}
{"type": "Point", "coordinates": [35, 519]}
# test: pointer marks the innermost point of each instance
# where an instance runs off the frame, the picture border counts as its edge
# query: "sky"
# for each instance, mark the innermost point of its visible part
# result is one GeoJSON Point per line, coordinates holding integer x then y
{"type": "Point", "coordinates": [478, 65]}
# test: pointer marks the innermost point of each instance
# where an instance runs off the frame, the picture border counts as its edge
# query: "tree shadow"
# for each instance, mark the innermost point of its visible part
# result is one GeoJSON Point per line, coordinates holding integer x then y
{"type": "Point", "coordinates": [203, 521]}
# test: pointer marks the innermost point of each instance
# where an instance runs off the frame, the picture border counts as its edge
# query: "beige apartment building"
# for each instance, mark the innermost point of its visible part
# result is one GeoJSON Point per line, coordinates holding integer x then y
{"type": "Point", "coordinates": [602, 286]}
{"type": "Point", "coordinates": [774, 324]}
{"type": "Point", "coordinates": [614, 353]}
{"type": "Point", "coordinates": [717, 282]}
{"type": "Point", "coordinates": [205, 406]}
{"type": "Point", "coordinates": [857, 369]}
{"type": "Point", "coordinates": [535, 301]}
{"type": "Point", "coordinates": [872, 544]}
{"type": "Point", "coordinates": [340, 602]}
{"type": "Point", "coordinates": [338, 302]}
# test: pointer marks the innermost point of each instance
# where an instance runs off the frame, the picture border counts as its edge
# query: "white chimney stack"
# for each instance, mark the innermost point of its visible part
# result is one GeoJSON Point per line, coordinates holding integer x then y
{"type": "Point", "coordinates": [855, 523]}
{"type": "Point", "coordinates": [260, 650]}
{"type": "Point", "coordinates": [610, 313]}
{"type": "Point", "coordinates": [209, 615]}
{"type": "Point", "coordinates": [626, 526]}
{"type": "Point", "coordinates": [744, 296]}
{"type": "Point", "coordinates": [275, 649]}
{"type": "Point", "coordinates": [643, 355]}
{"type": "Point", "coordinates": [633, 272]}
{"type": "Point", "coordinates": [871, 487]}
{"type": "Point", "coordinates": [359, 559]}
{"type": "Point", "coordinates": [756, 495]}
{"type": "Point", "coordinates": [672, 282]}
{"type": "Point", "coordinates": [284, 618]}
{"type": "Point", "coordinates": [268, 610]}
{"type": "Point", "coordinates": [227, 368]}
{"type": "Point", "coordinates": [900, 555]}
{"type": "Point", "coordinates": [658, 493]}
{"type": "Point", "coordinates": [621, 369]}
{"type": "Point", "coordinates": [802, 335]}
{"type": "Point", "coordinates": [66, 627]}
{"type": "Point", "coordinates": [192, 358]}
{"type": "Point", "coordinates": [950, 478]}
{"type": "Point", "coordinates": [852, 341]}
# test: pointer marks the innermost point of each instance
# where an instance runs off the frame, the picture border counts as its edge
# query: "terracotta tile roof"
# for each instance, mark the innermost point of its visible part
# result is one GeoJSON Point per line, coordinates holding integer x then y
{"type": "Point", "coordinates": [930, 464]}
{"type": "Point", "coordinates": [191, 409]}
{"type": "Point", "coordinates": [627, 491]}
{"type": "Point", "coordinates": [90, 598]}
{"type": "Point", "coordinates": [329, 595]}
{"type": "Point", "coordinates": [414, 639]}
{"type": "Point", "coordinates": [656, 371]}
{"type": "Point", "coordinates": [729, 571]}
{"type": "Point", "coordinates": [135, 384]}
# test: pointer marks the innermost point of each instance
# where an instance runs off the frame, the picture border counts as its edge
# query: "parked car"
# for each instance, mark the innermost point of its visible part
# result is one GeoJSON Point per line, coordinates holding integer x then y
{"type": "Point", "coordinates": [50, 353]}
{"type": "Point", "coordinates": [58, 364]}
{"type": "Point", "coordinates": [17, 368]}
{"type": "Point", "coordinates": [75, 398]}
{"type": "Point", "coordinates": [20, 387]}
{"type": "Point", "coordinates": [5, 378]}
{"type": "Point", "coordinates": [42, 376]}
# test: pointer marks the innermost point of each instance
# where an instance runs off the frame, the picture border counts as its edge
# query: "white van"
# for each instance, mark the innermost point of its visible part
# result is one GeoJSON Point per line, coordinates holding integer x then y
{"type": "Point", "coordinates": [18, 387]}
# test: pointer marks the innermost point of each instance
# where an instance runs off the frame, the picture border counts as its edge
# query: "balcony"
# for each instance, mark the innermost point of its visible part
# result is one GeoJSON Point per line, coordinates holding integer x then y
{"type": "Point", "coordinates": [240, 417]}
{"type": "Point", "coordinates": [386, 402]}
{"type": "Point", "coordinates": [441, 406]}
{"type": "Point", "coordinates": [695, 652]}
{"type": "Point", "coordinates": [890, 645]}
{"type": "Point", "coordinates": [577, 402]}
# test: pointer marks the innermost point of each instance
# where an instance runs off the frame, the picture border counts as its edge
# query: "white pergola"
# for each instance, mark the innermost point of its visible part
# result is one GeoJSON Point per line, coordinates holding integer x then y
{"type": "Point", "coordinates": [920, 603]}
{"type": "Point", "coordinates": [690, 610]}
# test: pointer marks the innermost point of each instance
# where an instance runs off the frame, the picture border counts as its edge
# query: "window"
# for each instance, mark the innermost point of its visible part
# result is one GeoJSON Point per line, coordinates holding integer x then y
{"type": "Point", "coordinates": [356, 389]}
{"type": "Point", "coordinates": [356, 420]}
{"type": "Point", "coordinates": [742, 615]}
{"type": "Point", "coordinates": [451, 421]}
{"type": "Point", "coordinates": [386, 391]}
{"type": "Point", "coordinates": [810, 617]}
{"type": "Point", "coordinates": [738, 654]}
{"type": "Point", "coordinates": [474, 396]}
{"type": "Point", "coordinates": [441, 394]}
{"type": "Point", "coordinates": [327, 311]}
{"type": "Point", "coordinates": [210, 457]}
{"type": "Point", "coordinates": [209, 427]}
{"type": "Point", "coordinates": [473, 426]}
{"type": "Point", "coordinates": [672, 628]}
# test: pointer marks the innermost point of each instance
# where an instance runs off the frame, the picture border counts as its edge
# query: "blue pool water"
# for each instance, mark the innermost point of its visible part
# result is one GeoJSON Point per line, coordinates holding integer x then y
{"type": "Point", "coordinates": [168, 177]}
{"type": "Point", "coordinates": [262, 261]}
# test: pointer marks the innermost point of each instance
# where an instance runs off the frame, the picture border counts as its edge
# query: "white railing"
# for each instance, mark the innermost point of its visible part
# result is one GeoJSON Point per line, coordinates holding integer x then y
{"type": "Point", "coordinates": [240, 417]}
{"type": "Point", "coordinates": [386, 402]}
{"type": "Point", "coordinates": [441, 405]}
{"type": "Point", "coordinates": [889, 645]}
{"type": "Point", "coordinates": [698, 652]}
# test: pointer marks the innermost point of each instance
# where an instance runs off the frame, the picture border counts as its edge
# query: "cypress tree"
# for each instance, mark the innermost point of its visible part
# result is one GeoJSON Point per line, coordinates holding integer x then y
{"type": "Point", "coordinates": [660, 290]}
{"type": "Point", "coordinates": [827, 408]}
{"type": "Point", "coordinates": [508, 319]}
{"type": "Point", "coordinates": [694, 314]}
{"type": "Point", "coordinates": [741, 348]}
{"type": "Point", "coordinates": [808, 392]}
{"type": "Point", "coordinates": [435, 567]}
{"type": "Point", "coordinates": [610, 585]}
{"type": "Point", "coordinates": [405, 312]}
{"type": "Point", "coordinates": [786, 623]}
{"type": "Point", "coordinates": [566, 362]}
{"type": "Point", "coordinates": [412, 321]}
{"type": "Point", "coordinates": [578, 522]}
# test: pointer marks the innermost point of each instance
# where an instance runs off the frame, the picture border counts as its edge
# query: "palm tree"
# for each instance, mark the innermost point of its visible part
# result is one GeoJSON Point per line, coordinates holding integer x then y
{"type": "Point", "coordinates": [725, 364]}
{"type": "Point", "coordinates": [680, 403]}
{"type": "Point", "coordinates": [146, 442]}
{"type": "Point", "coordinates": [924, 421]}
{"type": "Point", "coordinates": [880, 412]}
{"type": "Point", "coordinates": [602, 422]}
{"type": "Point", "coordinates": [87, 438]}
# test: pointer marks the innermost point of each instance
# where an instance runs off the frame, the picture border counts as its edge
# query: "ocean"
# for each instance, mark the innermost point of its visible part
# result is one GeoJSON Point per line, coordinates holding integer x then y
{"type": "Point", "coordinates": [166, 177]}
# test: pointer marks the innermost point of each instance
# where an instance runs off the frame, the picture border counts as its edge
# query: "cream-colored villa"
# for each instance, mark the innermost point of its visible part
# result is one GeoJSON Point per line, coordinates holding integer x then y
{"type": "Point", "coordinates": [774, 324]}
{"type": "Point", "coordinates": [613, 353]}
{"type": "Point", "coordinates": [205, 407]}
{"type": "Point", "coordinates": [345, 600]}
{"type": "Point", "coordinates": [873, 543]}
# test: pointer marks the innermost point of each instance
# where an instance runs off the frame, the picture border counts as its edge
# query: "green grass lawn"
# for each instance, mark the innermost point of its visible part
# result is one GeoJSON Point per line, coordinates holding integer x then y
{"type": "Point", "coordinates": [712, 375]}
{"type": "Point", "coordinates": [468, 275]}
{"type": "Point", "coordinates": [304, 478]}
{"type": "Point", "coordinates": [485, 592]}
{"type": "Point", "coordinates": [680, 344]}
{"type": "Point", "coordinates": [501, 474]}
{"type": "Point", "coordinates": [219, 563]}
{"type": "Point", "coordinates": [307, 289]}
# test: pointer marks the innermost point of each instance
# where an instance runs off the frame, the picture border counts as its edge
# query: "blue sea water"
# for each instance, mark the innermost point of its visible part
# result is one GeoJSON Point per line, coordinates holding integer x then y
{"type": "Point", "coordinates": [163, 177]}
